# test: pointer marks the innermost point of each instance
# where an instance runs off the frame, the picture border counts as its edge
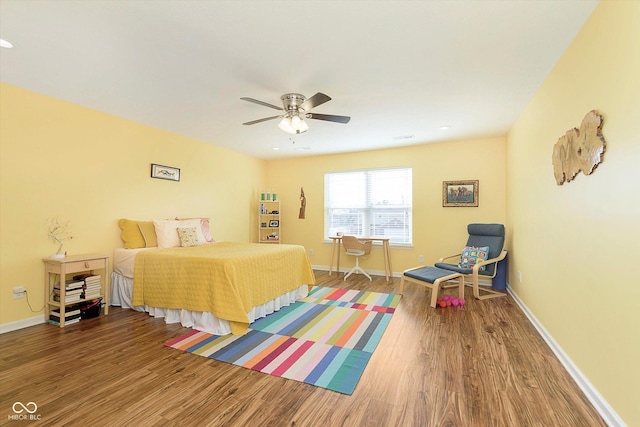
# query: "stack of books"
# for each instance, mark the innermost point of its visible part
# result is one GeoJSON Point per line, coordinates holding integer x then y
{"type": "Point", "coordinates": [73, 291]}
{"type": "Point", "coordinates": [71, 316]}
{"type": "Point", "coordinates": [92, 285]}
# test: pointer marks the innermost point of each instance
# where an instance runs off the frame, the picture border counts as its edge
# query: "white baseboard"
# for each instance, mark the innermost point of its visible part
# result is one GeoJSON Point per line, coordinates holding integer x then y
{"type": "Point", "coordinates": [19, 324]}
{"type": "Point", "coordinates": [599, 403]}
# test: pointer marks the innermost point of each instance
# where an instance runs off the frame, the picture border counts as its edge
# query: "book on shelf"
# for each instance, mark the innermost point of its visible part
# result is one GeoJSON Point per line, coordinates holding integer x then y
{"type": "Point", "coordinates": [73, 315]}
{"type": "Point", "coordinates": [70, 285]}
{"type": "Point", "coordinates": [67, 298]}
{"type": "Point", "coordinates": [88, 278]}
{"type": "Point", "coordinates": [94, 295]}
{"type": "Point", "coordinates": [71, 311]}
{"type": "Point", "coordinates": [69, 291]}
{"type": "Point", "coordinates": [66, 322]}
{"type": "Point", "coordinates": [91, 285]}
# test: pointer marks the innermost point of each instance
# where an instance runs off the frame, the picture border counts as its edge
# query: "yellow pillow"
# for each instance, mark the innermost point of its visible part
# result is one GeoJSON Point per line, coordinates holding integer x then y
{"type": "Point", "coordinates": [131, 235]}
{"type": "Point", "coordinates": [148, 233]}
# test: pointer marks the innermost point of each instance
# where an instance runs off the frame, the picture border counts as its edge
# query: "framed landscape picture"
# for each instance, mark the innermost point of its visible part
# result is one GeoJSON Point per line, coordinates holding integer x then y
{"type": "Point", "coordinates": [460, 193]}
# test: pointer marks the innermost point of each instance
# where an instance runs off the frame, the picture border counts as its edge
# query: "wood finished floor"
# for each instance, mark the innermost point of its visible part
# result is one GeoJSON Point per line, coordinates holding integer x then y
{"type": "Point", "coordinates": [484, 365]}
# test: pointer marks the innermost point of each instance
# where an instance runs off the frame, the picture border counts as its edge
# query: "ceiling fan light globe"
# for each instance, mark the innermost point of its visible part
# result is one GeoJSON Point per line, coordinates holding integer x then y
{"type": "Point", "coordinates": [285, 125]}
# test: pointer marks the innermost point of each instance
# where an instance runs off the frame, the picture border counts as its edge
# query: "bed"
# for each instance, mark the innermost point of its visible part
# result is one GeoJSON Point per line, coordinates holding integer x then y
{"type": "Point", "coordinates": [217, 287]}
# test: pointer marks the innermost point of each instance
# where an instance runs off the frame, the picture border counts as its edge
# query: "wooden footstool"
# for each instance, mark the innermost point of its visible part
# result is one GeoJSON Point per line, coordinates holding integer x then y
{"type": "Point", "coordinates": [432, 277]}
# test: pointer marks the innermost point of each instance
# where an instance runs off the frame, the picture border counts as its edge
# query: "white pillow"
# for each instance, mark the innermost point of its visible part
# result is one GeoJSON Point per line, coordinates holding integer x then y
{"type": "Point", "coordinates": [167, 231]}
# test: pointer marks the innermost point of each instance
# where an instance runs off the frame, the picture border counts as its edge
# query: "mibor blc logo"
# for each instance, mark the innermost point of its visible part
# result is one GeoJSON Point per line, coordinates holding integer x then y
{"type": "Point", "coordinates": [22, 411]}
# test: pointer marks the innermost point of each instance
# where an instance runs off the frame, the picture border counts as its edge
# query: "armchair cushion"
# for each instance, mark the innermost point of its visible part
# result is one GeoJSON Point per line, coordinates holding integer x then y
{"type": "Point", "coordinates": [454, 267]}
{"type": "Point", "coordinates": [471, 254]}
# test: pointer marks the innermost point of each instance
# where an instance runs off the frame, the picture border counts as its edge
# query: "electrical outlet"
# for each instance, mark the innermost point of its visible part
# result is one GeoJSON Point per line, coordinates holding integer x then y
{"type": "Point", "coordinates": [18, 292]}
{"type": "Point", "coordinates": [421, 258]}
{"type": "Point", "coordinates": [310, 251]}
{"type": "Point", "coordinates": [519, 277]}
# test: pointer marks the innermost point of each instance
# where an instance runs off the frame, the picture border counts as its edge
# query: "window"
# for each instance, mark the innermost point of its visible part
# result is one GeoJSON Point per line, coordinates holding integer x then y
{"type": "Point", "coordinates": [367, 203]}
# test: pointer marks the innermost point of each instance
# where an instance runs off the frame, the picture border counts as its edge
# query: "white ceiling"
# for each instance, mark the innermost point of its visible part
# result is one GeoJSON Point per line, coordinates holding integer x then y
{"type": "Point", "coordinates": [398, 68]}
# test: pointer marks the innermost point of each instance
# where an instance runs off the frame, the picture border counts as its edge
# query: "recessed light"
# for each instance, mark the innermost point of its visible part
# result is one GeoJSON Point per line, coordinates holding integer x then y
{"type": "Point", "coordinates": [303, 148]}
{"type": "Point", "coordinates": [401, 137]}
{"type": "Point", "coordinates": [5, 44]}
{"type": "Point", "coordinates": [275, 148]}
{"type": "Point", "coordinates": [445, 127]}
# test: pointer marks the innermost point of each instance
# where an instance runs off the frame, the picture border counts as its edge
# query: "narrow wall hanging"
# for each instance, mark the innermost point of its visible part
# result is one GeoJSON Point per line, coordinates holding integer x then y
{"type": "Point", "coordinates": [579, 149]}
{"type": "Point", "coordinates": [303, 204]}
{"type": "Point", "coordinates": [165, 172]}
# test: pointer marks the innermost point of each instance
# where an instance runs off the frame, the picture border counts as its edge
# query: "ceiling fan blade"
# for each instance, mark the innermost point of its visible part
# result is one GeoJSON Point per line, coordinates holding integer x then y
{"type": "Point", "coordinates": [266, 104]}
{"type": "Point", "coordinates": [314, 101]}
{"type": "Point", "coordinates": [261, 120]}
{"type": "Point", "coordinates": [329, 117]}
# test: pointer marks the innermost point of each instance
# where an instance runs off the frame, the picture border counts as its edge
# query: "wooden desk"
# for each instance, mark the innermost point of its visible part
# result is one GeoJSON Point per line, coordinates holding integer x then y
{"type": "Point", "coordinates": [337, 243]}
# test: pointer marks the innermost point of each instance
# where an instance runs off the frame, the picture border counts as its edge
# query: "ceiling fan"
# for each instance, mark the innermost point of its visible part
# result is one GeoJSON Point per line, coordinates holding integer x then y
{"type": "Point", "coordinates": [295, 108]}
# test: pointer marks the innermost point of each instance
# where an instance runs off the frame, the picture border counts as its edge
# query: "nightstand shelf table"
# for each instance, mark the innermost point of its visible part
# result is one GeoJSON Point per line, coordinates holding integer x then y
{"type": "Point", "coordinates": [56, 271]}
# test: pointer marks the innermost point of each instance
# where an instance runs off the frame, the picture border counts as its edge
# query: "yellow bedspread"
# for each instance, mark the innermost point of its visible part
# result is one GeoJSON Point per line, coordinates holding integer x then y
{"type": "Point", "coordinates": [224, 278]}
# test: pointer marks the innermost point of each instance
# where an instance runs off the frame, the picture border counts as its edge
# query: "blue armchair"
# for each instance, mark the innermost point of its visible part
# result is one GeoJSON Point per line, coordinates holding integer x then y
{"type": "Point", "coordinates": [484, 239]}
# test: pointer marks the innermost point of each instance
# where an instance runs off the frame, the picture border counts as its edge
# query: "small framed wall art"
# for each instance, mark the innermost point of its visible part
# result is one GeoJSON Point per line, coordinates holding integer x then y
{"type": "Point", "coordinates": [274, 223]}
{"type": "Point", "coordinates": [460, 193]}
{"type": "Point", "coordinates": [165, 172]}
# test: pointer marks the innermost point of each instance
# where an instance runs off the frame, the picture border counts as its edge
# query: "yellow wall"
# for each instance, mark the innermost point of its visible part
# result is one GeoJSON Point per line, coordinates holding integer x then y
{"type": "Point", "coordinates": [90, 168]}
{"type": "Point", "coordinates": [576, 244]}
{"type": "Point", "coordinates": [437, 231]}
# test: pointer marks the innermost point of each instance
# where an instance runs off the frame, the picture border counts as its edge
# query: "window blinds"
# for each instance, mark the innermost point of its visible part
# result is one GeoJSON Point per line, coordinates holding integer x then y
{"type": "Point", "coordinates": [369, 203]}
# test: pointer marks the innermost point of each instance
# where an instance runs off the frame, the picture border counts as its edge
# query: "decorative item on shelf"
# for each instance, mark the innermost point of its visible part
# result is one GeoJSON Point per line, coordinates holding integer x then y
{"type": "Point", "coordinates": [269, 195]}
{"type": "Point", "coordinates": [58, 233]}
{"type": "Point", "coordinates": [579, 149]}
{"type": "Point", "coordinates": [274, 223]}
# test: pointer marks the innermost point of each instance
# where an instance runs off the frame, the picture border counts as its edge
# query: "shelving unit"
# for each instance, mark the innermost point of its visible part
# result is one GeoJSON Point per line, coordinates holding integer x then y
{"type": "Point", "coordinates": [269, 221]}
{"type": "Point", "coordinates": [57, 270]}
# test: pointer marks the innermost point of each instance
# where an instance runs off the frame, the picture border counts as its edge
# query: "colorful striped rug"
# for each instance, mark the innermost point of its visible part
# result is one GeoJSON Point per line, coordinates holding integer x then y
{"type": "Point", "coordinates": [325, 339]}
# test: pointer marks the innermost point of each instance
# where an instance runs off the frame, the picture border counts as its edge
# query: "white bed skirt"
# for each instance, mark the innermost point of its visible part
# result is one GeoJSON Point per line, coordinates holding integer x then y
{"type": "Point", "coordinates": [122, 296]}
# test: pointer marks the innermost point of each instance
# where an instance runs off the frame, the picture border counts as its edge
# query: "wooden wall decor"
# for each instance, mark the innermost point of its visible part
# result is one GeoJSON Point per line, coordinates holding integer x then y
{"type": "Point", "coordinates": [579, 149]}
{"type": "Point", "coordinates": [303, 204]}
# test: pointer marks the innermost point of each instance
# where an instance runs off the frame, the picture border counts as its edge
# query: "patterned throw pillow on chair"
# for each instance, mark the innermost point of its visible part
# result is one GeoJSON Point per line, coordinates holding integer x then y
{"type": "Point", "coordinates": [471, 255]}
